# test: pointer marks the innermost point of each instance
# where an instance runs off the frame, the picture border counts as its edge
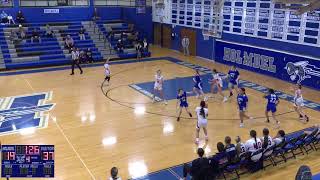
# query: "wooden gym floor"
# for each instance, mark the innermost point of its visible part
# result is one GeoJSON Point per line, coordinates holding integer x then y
{"type": "Point", "coordinates": [91, 133]}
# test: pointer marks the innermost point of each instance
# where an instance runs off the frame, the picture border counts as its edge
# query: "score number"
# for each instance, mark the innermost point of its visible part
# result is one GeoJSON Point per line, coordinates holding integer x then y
{"type": "Point", "coordinates": [46, 156]}
{"type": "Point", "coordinates": [9, 156]}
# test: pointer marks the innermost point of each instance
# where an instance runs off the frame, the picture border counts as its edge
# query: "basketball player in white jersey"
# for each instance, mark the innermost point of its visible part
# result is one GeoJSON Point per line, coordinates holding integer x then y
{"type": "Point", "coordinates": [216, 81]}
{"type": "Point", "coordinates": [107, 71]}
{"type": "Point", "coordinates": [158, 87]}
{"type": "Point", "coordinates": [266, 140]}
{"type": "Point", "coordinates": [253, 145]}
{"type": "Point", "coordinates": [240, 147]}
{"type": "Point", "coordinates": [298, 103]}
{"type": "Point", "coordinates": [202, 115]}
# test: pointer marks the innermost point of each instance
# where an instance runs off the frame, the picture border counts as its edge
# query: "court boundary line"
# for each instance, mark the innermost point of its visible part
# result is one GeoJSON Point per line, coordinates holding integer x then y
{"type": "Point", "coordinates": [65, 136]}
{"type": "Point", "coordinates": [72, 147]}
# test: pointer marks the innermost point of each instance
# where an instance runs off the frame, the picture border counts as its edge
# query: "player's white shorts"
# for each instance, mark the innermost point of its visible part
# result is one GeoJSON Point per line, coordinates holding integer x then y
{"type": "Point", "coordinates": [256, 157]}
{"type": "Point", "coordinates": [157, 86]}
{"type": "Point", "coordinates": [218, 82]}
{"type": "Point", "coordinates": [202, 123]}
{"type": "Point", "coordinates": [107, 73]}
{"type": "Point", "coordinates": [299, 102]}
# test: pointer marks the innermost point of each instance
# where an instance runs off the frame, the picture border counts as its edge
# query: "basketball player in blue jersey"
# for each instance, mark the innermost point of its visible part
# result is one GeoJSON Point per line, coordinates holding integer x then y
{"type": "Point", "coordinates": [242, 100]}
{"type": "Point", "coordinates": [182, 101]}
{"type": "Point", "coordinates": [233, 76]}
{"type": "Point", "coordinates": [272, 103]}
{"type": "Point", "coordinates": [197, 88]}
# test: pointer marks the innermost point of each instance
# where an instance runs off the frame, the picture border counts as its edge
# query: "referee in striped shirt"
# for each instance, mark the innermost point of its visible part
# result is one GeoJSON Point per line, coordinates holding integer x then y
{"type": "Point", "coordinates": [75, 60]}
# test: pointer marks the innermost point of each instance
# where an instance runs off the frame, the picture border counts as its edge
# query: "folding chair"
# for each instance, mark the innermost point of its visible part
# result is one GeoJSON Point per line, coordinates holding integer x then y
{"type": "Point", "coordinates": [267, 156]}
{"type": "Point", "coordinates": [309, 140]}
{"type": "Point", "coordinates": [279, 152]}
{"type": "Point", "coordinates": [293, 145]}
{"type": "Point", "coordinates": [236, 166]}
{"type": "Point", "coordinates": [255, 161]}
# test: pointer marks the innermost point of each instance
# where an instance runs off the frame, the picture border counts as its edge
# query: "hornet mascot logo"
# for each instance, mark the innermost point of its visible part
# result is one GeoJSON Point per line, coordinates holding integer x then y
{"type": "Point", "coordinates": [301, 70]}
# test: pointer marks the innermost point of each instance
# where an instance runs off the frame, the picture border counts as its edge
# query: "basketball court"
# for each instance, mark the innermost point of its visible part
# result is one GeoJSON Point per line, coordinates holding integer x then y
{"type": "Point", "coordinates": [95, 127]}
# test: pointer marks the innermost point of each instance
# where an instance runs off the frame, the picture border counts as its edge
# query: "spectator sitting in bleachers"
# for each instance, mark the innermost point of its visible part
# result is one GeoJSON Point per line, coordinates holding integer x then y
{"type": "Point", "coordinates": [20, 18]}
{"type": "Point", "coordinates": [280, 138]}
{"type": "Point", "coordinates": [123, 37]}
{"type": "Point", "coordinates": [89, 55]}
{"type": "Point", "coordinates": [199, 169]}
{"type": "Point", "coordinates": [81, 34]}
{"type": "Point", "coordinates": [4, 17]}
{"type": "Point", "coordinates": [120, 46]}
{"type": "Point", "coordinates": [136, 36]}
{"type": "Point", "coordinates": [111, 35]}
{"type": "Point", "coordinates": [130, 27]}
{"type": "Point", "coordinates": [83, 57]}
{"type": "Point", "coordinates": [145, 45]}
{"type": "Point", "coordinates": [139, 50]}
{"type": "Point", "coordinates": [49, 31]}
{"type": "Point", "coordinates": [14, 37]}
{"type": "Point", "coordinates": [69, 43]}
{"type": "Point", "coordinates": [114, 174]}
{"type": "Point", "coordinates": [22, 32]}
{"type": "Point", "coordinates": [35, 36]}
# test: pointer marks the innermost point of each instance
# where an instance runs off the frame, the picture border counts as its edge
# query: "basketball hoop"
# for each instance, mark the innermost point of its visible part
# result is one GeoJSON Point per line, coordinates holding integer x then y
{"type": "Point", "coordinates": [209, 33]}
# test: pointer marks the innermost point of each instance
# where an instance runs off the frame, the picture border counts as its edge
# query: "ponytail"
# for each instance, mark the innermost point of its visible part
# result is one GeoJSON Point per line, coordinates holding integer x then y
{"type": "Point", "coordinates": [202, 112]}
{"type": "Point", "coordinates": [243, 90]}
{"type": "Point", "coordinates": [253, 134]}
{"type": "Point", "coordinates": [265, 142]}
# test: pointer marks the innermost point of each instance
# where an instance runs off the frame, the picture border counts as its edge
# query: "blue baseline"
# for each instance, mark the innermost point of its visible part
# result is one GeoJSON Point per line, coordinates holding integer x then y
{"type": "Point", "coordinates": [316, 177]}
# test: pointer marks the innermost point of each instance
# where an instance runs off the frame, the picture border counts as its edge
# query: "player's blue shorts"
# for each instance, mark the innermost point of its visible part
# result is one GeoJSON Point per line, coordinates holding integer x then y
{"type": "Point", "coordinates": [198, 86]}
{"type": "Point", "coordinates": [272, 108]}
{"type": "Point", "coordinates": [185, 104]}
{"type": "Point", "coordinates": [233, 82]}
{"type": "Point", "coordinates": [242, 109]}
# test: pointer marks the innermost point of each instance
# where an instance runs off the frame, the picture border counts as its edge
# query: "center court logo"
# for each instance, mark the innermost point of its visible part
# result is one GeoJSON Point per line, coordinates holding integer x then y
{"type": "Point", "coordinates": [25, 111]}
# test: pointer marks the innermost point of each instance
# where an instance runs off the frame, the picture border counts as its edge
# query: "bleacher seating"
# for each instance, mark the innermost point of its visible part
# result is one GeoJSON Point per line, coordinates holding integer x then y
{"type": "Point", "coordinates": [49, 52]}
{"type": "Point", "coordinates": [117, 28]}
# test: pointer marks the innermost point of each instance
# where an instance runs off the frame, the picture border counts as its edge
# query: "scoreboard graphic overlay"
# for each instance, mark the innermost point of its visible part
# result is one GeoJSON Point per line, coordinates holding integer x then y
{"type": "Point", "coordinates": [27, 161]}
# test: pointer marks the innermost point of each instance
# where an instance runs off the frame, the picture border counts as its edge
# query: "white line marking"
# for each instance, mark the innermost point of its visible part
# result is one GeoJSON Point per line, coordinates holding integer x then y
{"type": "Point", "coordinates": [67, 139]}
{"type": "Point", "coordinates": [174, 173]}
{"type": "Point", "coordinates": [72, 147]}
{"type": "Point", "coordinates": [26, 80]}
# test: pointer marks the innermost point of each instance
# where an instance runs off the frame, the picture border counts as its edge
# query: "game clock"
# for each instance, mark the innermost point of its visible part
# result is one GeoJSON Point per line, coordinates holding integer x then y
{"type": "Point", "coordinates": [27, 161]}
